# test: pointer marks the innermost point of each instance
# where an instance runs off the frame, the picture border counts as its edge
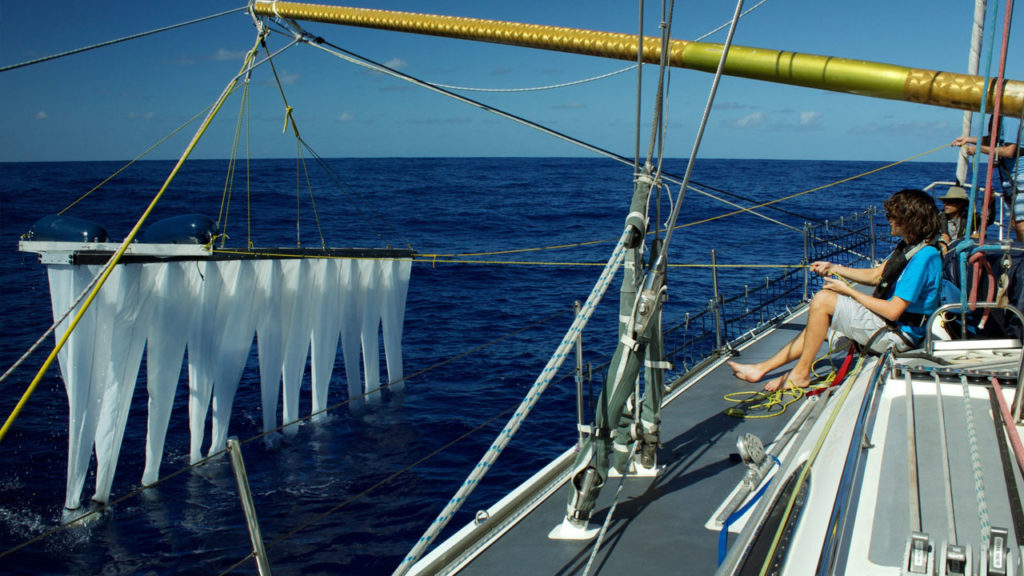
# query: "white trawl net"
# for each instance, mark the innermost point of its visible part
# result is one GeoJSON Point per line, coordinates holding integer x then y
{"type": "Point", "coordinates": [296, 309]}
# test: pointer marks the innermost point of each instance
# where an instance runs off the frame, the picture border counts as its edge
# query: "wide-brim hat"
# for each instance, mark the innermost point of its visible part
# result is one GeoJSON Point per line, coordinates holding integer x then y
{"type": "Point", "coordinates": [955, 193]}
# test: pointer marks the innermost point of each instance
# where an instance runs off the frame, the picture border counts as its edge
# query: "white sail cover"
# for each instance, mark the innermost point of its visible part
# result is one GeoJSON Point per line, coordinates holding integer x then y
{"type": "Point", "coordinates": [296, 309]}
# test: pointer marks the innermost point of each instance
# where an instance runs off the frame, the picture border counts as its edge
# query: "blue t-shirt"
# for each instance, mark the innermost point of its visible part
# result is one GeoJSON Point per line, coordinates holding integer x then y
{"type": "Point", "coordinates": [920, 285]}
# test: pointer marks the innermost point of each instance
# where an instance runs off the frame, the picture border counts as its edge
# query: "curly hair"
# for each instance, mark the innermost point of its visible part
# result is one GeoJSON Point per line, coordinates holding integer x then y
{"type": "Point", "coordinates": [915, 213]}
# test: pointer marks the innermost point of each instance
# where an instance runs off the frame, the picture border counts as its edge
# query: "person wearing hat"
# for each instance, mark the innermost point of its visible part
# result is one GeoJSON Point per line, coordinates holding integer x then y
{"type": "Point", "coordinates": [1009, 158]}
{"type": "Point", "coordinates": [954, 214]}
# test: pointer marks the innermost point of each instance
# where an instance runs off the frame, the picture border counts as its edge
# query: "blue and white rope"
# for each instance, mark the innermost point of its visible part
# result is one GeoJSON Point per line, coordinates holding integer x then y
{"type": "Point", "coordinates": [979, 481]}
{"type": "Point", "coordinates": [532, 396]}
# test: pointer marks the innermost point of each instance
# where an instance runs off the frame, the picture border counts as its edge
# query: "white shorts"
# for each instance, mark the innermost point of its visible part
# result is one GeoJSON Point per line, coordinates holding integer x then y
{"type": "Point", "coordinates": [859, 324]}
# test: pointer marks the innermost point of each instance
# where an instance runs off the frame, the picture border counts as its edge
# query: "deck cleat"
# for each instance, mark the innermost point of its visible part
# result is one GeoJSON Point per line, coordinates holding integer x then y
{"type": "Point", "coordinates": [955, 560]}
{"type": "Point", "coordinates": [919, 555]}
{"type": "Point", "coordinates": [996, 558]}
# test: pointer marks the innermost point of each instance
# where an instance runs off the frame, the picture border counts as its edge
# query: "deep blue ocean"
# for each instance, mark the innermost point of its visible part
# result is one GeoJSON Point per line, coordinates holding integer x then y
{"type": "Point", "coordinates": [352, 493]}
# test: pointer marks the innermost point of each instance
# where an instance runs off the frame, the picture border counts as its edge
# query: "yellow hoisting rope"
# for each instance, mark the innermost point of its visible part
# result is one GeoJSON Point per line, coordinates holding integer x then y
{"type": "Point", "coordinates": [805, 469]}
{"type": "Point", "coordinates": [461, 257]}
{"type": "Point", "coordinates": [109, 267]}
{"type": "Point", "coordinates": [790, 197]}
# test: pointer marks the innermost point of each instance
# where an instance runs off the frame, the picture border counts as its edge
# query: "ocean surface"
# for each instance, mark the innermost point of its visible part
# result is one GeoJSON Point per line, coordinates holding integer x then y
{"type": "Point", "coordinates": [351, 493]}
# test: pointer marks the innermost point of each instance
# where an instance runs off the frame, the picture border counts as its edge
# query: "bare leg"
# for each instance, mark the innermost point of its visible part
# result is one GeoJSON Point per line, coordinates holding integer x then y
{"type": "Point", "coordinates": [803, 348]}
{"type": "Point", "coordinates": [1018, 230]}
{"type": "Point", "coordinates": [785, 355]}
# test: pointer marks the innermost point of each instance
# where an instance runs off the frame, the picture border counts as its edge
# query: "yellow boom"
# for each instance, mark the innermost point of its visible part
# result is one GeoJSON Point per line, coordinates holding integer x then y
{"type": "Point", "coordinates": [861, 77]}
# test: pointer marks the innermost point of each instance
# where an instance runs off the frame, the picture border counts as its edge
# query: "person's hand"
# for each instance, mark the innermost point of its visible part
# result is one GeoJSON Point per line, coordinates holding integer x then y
{"type": "Point", "coordinates": [838, 286]}
{"type": "Point", "coordinates": [822, 268]}
{"type": "Point", "coordinates": [959, 141]}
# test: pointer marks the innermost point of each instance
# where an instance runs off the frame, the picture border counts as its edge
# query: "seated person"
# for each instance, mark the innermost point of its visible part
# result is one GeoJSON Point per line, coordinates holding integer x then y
{"type": "Point", "coordinates": [953, 218]}
{"type": "Point", "coordinates": [893, 316]}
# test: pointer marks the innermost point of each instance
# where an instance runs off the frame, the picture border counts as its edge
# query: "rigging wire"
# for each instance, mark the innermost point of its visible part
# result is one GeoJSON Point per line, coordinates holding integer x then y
{"type": "Point", "coordinates": [751, 209]}
{"type": "Point", "coordinates": [357, 201]}
{"type": "Point", "coordinates": [108, 268]}
{"type": "Point", "coordinates": [700, 132]}
{"type": "Point", "coordinates": [119, 40]}
{"type": "Point", "coordinates": [136, 159]}
{"type": "Point", "coordinates": [353, 58]}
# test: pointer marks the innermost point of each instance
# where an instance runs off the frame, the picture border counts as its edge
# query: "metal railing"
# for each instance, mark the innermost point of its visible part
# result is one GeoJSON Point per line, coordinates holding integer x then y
{"type": "Point", "coordinates": [730, 320]}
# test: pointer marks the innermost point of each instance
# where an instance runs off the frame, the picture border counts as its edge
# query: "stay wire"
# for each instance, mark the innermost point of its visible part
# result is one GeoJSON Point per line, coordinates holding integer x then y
{"type": "Point", "coordinates": [700, 131]}
{"type": "Point", "coordinates": [724, 215]}
{"type": "Point", "coordinates": [370, 489]}
{"type": "Point", "coordinates": [131, 162]}
{"type": "Point", "coordinates": [355, 199]}
{"type": "Point", "coordinates": [318, 42]}
{"type": "Point", "coordinates": [119, 40]}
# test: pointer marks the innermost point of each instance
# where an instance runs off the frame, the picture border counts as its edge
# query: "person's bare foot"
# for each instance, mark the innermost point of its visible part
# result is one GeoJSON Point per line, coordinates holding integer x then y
{"type": "Point", "coordinates": [787, 382]}
{"type": "Point", "coordinates": [746, 372]}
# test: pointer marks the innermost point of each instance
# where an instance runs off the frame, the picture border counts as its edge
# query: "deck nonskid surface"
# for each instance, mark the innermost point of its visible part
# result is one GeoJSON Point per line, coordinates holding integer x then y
{"type": "Point", "coordinates": [658, 523]}
{"type": "Point", "coordinates": [885, 500]}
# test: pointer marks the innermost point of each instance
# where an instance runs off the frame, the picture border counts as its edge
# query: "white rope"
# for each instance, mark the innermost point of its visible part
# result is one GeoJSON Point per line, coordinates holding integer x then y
{"type": "Point", "coordinates": [532, 396]}
{"type": "Point", "coordinates": [585, 80]}
{"type": "Point", "coordinates": [537, 88]}
{"type": "Point", "coordinates": [984, 524]}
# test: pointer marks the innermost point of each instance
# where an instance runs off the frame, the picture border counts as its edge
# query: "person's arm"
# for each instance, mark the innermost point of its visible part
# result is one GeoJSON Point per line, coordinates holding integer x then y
{"type": "Point", "coordinates": [971, 148]}
{"type": "Point", "coordinates": [889, 309]}
{"type": "Point", "coordinates": [866, 276]}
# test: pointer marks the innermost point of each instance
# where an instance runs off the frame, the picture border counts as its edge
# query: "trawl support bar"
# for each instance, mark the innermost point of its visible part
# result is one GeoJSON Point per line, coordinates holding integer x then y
{"type": "Point", "coordinates": [213, 309]}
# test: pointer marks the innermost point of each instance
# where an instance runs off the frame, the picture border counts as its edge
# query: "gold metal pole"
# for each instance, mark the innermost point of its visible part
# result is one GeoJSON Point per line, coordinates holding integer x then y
{"type": "Point", "coordinates": [875, 79]}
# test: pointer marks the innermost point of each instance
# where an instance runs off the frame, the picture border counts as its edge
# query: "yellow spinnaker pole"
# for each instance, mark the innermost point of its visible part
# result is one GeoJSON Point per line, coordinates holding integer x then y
{"type": "Point", "coordinates": [875, 79]}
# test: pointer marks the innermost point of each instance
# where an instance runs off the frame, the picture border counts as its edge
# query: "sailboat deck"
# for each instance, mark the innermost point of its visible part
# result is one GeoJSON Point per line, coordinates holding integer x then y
{"type": "Point", "coordinates": [699, 468]}
{"type": "Point", "coordinates": [931, 428]}
{"type": "Point", "coordinates": [668, 522]}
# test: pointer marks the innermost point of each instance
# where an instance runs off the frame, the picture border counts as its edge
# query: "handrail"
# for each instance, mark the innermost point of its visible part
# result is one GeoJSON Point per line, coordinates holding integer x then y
{"type": "Point", "coordinates": [929, 343]}
{"type": "Point", "coordinates": [1018, 397]}
{"type": "Point", "coordinates": [850, 467]}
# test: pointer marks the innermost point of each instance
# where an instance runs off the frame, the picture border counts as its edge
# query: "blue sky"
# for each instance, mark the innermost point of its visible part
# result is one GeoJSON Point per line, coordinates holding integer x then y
{"type": "Point", "coordinates": [114, 102]}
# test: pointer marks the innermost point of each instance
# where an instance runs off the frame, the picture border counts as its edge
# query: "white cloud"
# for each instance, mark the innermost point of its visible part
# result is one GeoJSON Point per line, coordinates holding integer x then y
{"type": "Point", "coordinates": [810, 118]}
{"type": "Point", "coordinates": [225, 54]}
{"type": "Point", "coordinates": [752, 120]}
{"type": "Point", "coordinates": [396, 63]}
{"type": "Point", "coordinates": [41, 115]}
{"type": "Point", "coordinates": [344, 117]}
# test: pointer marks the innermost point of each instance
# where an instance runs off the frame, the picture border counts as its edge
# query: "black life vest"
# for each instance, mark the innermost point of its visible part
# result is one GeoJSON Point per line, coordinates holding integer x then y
{"type": "Point", "coordinates": [894, 266]}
